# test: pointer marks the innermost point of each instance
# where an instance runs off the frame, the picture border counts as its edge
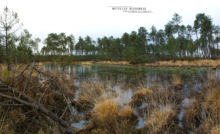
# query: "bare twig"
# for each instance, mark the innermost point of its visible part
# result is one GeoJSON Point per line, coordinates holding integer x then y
{"type": "Point", "coordinates": [43, 95]}
{"type": "Point", "coordinates": [29, 77]}
{"type": "Point", "coordinates": [34, 104]}
{"type": "Point", "coordinates": [64, 112]}
{"type": "Point", "coordinates": [6, 104]}
{"type": "Point", "coordinates": [41, 108]}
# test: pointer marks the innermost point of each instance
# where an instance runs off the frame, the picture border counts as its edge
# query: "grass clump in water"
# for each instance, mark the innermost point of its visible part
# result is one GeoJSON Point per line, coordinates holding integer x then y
{"type": "Point", "coordinates": [105, 115]}
{"type": "Point", "coordinates": [108, 118]}
{"type": "Point", "coordinates": [161, 118]}
{"type": "Point", "coordinates": [140, 96]}
{"type": "Point", "coordinates": [126, 114]}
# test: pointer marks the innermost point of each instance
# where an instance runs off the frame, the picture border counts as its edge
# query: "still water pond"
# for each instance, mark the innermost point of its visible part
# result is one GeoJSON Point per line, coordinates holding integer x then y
{"type": "Point", "coordinates": [120, 77]}
{"type": "Point", "coordinates": [133, 76]}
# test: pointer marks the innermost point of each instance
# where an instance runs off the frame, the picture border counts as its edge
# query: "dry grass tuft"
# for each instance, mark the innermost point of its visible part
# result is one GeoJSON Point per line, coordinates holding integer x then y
{"type": "Point", "coordinates": [92, 90]}
{"type": "Point", "coordinates": [215, 130]}
{"type": "Point", "coordinates": [140, 96]}
{"type": "Point", "coordinates": [206, 126]}
{"type": "Point", "coordinates": [107, 118]}
{"type": "Point", "coordinates": [213, 100]}
{"type": "Point", "coordinates": [179, 63]}
{"type": "Point", "coordinates": [211, 107]}
{"type": "Point", "coordinates": [114, 62]}
{"type": "Point", "coordinates": [160, 118]}
{"type": "Point", "coordinates": [144, 92]}
{"type": "Point", "coordinates": [176, 80]}
{"type": "Point", "coordinates": [105, 115]}
{"type": "Point", "coordinates": [192, 117]}
{"type": "Point", "coordinates": [86, 63]}
{"type": "Point", "coordinates": [127, 114]}
{"type": "Point", "coordinates": [99, 131]}
{"type": "Point", "coordinates": [105, 110]}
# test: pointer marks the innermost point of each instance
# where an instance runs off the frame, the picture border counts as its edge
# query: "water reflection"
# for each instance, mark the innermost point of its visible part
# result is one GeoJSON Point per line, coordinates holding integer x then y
{"type": "Point", "coordinates": [134, 76]}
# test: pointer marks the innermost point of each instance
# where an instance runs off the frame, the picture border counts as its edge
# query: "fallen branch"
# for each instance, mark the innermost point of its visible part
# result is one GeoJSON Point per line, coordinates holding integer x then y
{"type": "Point", "coordinates": [30, 102]}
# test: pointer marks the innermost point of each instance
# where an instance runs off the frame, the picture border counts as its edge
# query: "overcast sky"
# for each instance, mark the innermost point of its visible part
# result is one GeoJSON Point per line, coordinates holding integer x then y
{"type": "Point", "coordinates": [97, 19]}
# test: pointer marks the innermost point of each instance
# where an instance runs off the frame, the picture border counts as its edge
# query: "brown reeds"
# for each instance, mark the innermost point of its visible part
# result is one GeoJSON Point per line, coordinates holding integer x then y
{"type": "Point", "coordinates": [41, 102]}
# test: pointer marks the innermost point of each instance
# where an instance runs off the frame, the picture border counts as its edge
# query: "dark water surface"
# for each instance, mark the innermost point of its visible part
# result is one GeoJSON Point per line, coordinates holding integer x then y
{"type": "Point", "coordinates": [136, 75]}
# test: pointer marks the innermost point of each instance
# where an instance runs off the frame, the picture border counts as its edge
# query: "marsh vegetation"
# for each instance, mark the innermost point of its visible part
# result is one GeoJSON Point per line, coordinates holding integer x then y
{"type": "Point", "coordinates": [94, 97]}
{"type": "Point", "coordinates": [109, 99]}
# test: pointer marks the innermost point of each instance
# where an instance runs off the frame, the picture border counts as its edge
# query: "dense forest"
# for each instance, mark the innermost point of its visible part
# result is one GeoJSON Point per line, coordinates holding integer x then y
{"type": "Point", "coordinates": [175, 41]}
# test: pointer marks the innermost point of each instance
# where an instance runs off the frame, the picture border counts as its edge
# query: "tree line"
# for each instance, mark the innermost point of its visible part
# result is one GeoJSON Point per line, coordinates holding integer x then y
{"type": "Point", "coordinates": [175, 41]}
